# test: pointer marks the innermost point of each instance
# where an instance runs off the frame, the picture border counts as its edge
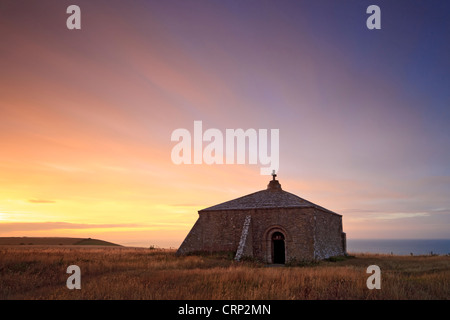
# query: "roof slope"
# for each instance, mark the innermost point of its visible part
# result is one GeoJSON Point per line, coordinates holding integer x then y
{"type": "Point", "coordinates": [272, 197]}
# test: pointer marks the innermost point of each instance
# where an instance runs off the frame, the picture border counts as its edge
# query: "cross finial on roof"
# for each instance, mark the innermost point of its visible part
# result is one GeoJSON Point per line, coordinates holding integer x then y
{"type": "Point", "coordinates": [274, 175]}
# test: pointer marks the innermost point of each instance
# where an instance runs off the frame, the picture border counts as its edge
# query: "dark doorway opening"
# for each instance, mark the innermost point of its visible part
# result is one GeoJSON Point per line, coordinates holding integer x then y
{"type": "Point", "coordinates": [278, 255]}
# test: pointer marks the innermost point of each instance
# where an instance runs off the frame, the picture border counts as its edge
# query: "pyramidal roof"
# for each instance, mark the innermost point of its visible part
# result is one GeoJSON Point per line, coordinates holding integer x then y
{"type": "Point", "coordinates": [272, 197]}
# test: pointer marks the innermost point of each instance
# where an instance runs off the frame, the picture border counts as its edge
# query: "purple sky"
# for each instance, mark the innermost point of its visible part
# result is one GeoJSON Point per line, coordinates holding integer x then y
{"type": "Point", "coordinates": [86, 115]}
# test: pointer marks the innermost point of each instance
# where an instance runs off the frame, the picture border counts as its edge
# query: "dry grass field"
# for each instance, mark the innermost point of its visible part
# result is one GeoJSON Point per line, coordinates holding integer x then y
{"type": "Point", "coordinates": [39, 272]}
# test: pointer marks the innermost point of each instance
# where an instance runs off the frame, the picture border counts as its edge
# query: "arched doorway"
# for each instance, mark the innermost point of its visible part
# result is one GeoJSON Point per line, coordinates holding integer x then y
{"type": "Point", "coordinates": [278, 250]}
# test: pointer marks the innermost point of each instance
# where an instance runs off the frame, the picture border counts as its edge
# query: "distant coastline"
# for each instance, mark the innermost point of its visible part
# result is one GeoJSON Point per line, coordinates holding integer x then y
{"type": "Point", "coordinates": [400, 246]}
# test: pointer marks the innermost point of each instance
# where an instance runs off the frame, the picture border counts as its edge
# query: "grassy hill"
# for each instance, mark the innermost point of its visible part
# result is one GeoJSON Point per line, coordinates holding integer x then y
{"type": "Point", "coordinates": [94, 242]}
{"type": "Point", "coordinates": [54, 241]}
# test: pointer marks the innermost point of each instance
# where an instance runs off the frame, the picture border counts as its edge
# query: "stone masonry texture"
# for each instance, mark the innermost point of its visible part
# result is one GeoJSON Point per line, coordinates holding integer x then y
{"type": "Point", "coordinates": [310, 232]}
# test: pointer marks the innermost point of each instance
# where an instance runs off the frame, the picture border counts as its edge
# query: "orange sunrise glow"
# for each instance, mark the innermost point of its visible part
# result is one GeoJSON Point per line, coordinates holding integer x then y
{"type": "Point", "coordinates": [86, 118]}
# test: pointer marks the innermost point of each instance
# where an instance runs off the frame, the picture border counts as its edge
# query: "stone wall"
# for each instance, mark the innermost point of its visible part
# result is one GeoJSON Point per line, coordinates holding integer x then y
{"type": "Point", "coordinates": [294, 224]}
{"type": "Point", "coordinates": [194, 240]}
{"type": "Point", "coordinates": [215, 231]}
{"type": "Point", "coordinates": [309, 233]}
{"type": "Point", "coordinates": [328, 235]}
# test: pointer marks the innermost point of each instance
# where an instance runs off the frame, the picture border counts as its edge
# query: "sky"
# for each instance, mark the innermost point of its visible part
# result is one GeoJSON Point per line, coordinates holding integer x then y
{"type": "Point", "coordinates": [86, 116]}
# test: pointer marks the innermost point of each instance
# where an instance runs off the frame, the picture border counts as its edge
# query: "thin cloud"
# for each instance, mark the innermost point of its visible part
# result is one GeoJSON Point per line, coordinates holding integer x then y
{"type": "Point", "coordinates": [401, 215]}
{"type": "Point", "coordinates": [186, 205]}
{"type": "Point", "coordinates": [40, 201]}
{"type": "Point", "coordinates": [35, 226]}
{"type": "Point", "coordinates": [356, 211]}
{"type": "Point", "coordinates": [389, 216]}
{"type": "Point", "coordinates": [39, 226]}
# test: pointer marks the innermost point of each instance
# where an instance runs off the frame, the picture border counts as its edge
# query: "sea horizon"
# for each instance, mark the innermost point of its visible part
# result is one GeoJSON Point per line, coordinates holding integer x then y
{"type": "Point", "coordinates": [382, 246]}
{"type": "Point", "coordinates": [399, 246]}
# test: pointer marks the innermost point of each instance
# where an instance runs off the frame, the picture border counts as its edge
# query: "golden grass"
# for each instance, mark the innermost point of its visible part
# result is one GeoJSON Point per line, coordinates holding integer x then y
{"type": "Point", "coordinates": [39, 272]}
